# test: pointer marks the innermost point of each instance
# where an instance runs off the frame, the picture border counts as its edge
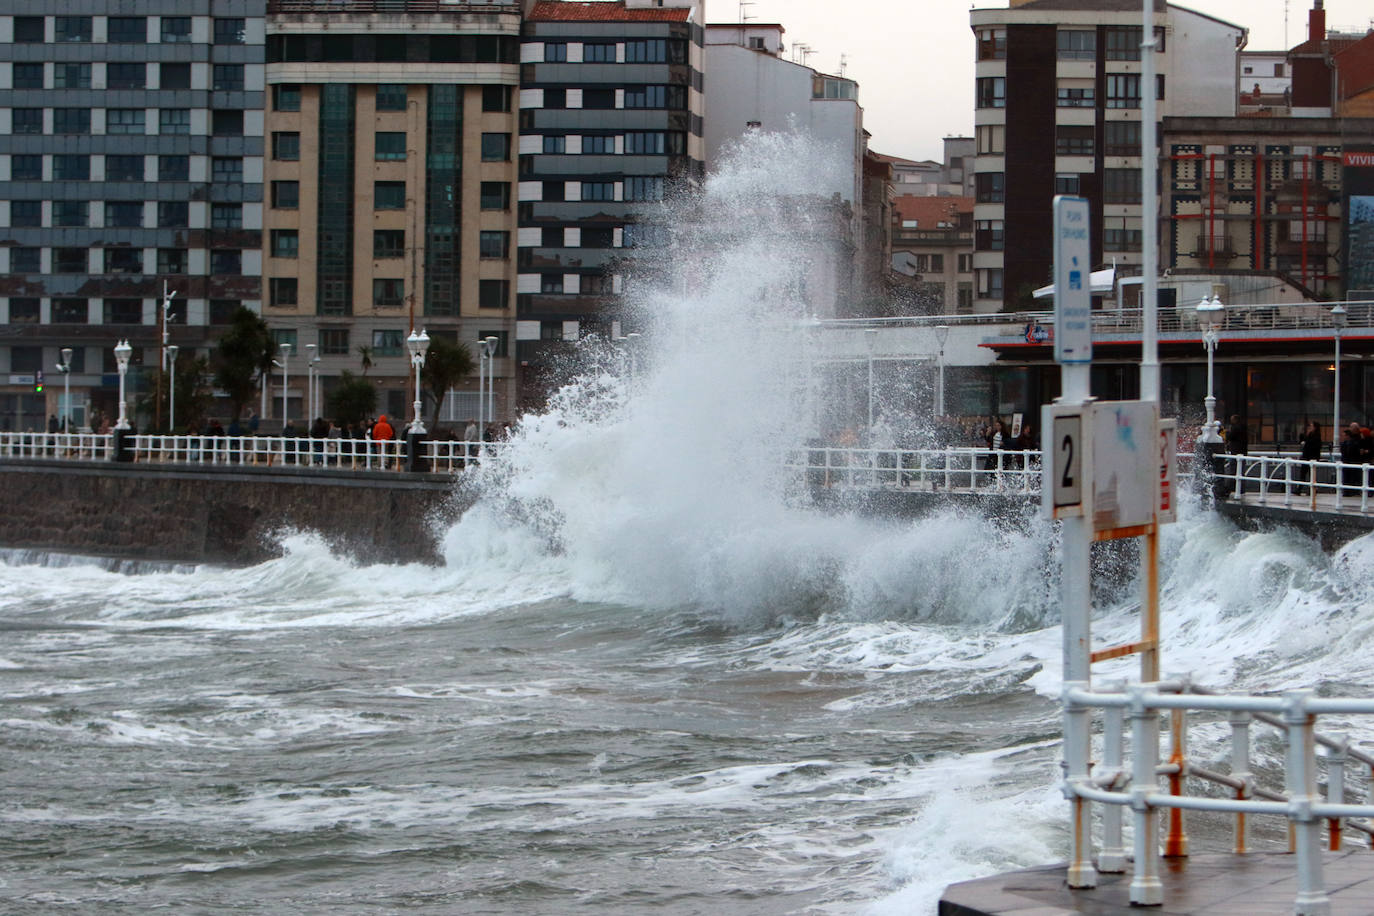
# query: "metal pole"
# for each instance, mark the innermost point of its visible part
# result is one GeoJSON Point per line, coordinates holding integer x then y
{"type": "Point", "coordinates": [1149, 340]}
{"type": "Point", "coordinates": [481, 384]}
{"type": "Point", "coordinates": [491, 379]}
{"type": "Point", "coordinates": [1146, 888]}
{"type": "Point", "coordinates": [1336, 396]}
{"type": "Point", "coordinates": [941, 335]}
{"type": "Point", "coordinates": [871, 338]}
{"type": "Point", "coordinates": [67, 388]}
{"type": "Point", "coordinates": [172, 394]}
{"type": "Point", "coordinates": [1302, 794]}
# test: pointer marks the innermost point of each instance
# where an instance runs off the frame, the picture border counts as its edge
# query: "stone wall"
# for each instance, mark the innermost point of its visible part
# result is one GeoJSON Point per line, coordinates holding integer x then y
{"type": "Point", "coordinates": [230, 516]}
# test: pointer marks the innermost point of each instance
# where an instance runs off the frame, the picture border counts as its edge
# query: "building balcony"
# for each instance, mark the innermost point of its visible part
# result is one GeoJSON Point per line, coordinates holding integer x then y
{"type": "Point", "coordinates": [1213, 246]}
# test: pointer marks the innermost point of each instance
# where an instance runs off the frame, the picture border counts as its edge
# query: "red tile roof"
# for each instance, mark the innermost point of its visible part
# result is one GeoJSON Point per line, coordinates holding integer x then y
{"type": "Point", "coordinates": [929, 211]}
{"type": "Point", "coordinates": [601, 11]}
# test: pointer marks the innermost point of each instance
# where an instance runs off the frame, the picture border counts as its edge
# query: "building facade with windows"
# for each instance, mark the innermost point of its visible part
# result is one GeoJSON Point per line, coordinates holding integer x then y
{"type": "Point", "coordinates": [932, 245]}
{"type": "Point", "coordinates": [390, 188]}
{"type": "Point", "coordinates": [610, 125]}
{"type": "Point", "coordinates": [131, 143]}
{"type": "Point", "coordinates": [1075, 65]}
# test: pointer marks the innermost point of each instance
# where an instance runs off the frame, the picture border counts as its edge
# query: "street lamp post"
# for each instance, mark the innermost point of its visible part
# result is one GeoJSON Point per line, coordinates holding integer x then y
{"type": "Point", "coordinates": [1211, 313]}
{"type": "Point", "coordinates": [122, 353]}
{"type": "Point", "coordinates": [941, 335]}
{"type": "Point", "coordinates": [419, 346]}
{"type": "Point", "coordinates": [65, 367]}
{"type": "Point", "coordinates": [490, 344]}
{"type": "Point", "coordinates": [172, 393]}
{"type": "Point", "coordinates": [310, 360]}
{"type": "Point", "coordinates": [285, 377]}
{"type": "Point", "coordinates": [481, 386]}
{"type": "Point", "coordinates": [1339, 319]}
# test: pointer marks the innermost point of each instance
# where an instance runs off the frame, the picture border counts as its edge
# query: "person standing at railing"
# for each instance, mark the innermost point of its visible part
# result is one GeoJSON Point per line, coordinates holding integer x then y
{"type": "Point", "coordinates": [1351, 457]}
{"type": "Point", "coordinates": [1311, 444]}
{"type": "Point", "coordinates": [1237, 437]}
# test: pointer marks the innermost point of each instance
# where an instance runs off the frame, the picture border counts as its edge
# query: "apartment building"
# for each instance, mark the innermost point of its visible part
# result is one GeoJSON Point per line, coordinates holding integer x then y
{"type": "Point", "coordinates": [932, 245]}
{"type": "Point", "coordinates": [1075, 65]}
{"type": "Point", "coordinates": [391, 171]}
{"type": "Point", "coordinates": [610, 124]}
{"type": "Point", "coordinates": [131, 143]}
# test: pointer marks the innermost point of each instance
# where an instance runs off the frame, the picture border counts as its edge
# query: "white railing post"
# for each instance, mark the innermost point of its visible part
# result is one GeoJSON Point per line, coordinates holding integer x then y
{"type": "Point", "coordinates": [1301, 785]}
{"type": "Point", "coordinates": [1112, 858]}
{"type": "Point", "coordinates": [1146, 888]}
{"type": "Point", "coordinates": [1077, 750]}
{"type": "Point", "coordinates": [1240, 769]}
{"type": "Point", "coordinates": [1335, 788]}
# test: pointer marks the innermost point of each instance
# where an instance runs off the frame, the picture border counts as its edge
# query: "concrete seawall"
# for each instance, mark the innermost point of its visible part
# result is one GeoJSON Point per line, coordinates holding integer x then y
{"type": "Point", "coordinates": [230, 515]}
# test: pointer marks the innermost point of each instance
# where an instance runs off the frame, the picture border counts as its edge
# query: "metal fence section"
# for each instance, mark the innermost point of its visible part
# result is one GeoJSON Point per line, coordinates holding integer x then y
{"type": "Point", "coordinates": [1273, 480]}
{"type": "Point", "coordinates": [1117, 783]}
{"type": "Point", "coordinates": [954, 470]}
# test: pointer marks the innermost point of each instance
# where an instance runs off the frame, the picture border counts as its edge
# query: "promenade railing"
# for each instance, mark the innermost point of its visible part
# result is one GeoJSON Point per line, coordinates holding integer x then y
{"type": "Point", "coordinates": [1296, 484]}
{"type": "Point", "coordinates": [1312, 807]}
{"type": "Point", "coordinates": [960, 470]}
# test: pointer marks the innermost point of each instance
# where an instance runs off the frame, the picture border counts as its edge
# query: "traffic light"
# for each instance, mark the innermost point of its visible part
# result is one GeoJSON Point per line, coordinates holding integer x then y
{"type": "Point", "coordinates": [38, 382]}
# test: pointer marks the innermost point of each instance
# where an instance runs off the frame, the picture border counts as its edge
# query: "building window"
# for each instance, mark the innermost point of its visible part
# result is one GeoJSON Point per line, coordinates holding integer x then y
{"type": "Point", "coordinates": [1123, 90]}
{"type": "Point", "coordinates": [126, 30]}
{"type": "Point", "coordinates": [987, 235]}
{"type": "Point", "coordinates": [282, 291]}
{"type": "Point", "coordinates": [176, 29]}
{"type": "Point", "coordinates": [173, 168]}
{"type": "Point", "coordinates": [1121, 138]}
{"type": "Point", "coordinates": [1117, 235]}
{"type": "Point", "coordinates": [27, 76]}
{"type": "Point", "coordinates": [495, 147]}
{"type": "Point", "coordinates": [598, 190]}
{"type": "Point", "coordinates": [1159, 87]}
{"type": "Point", "coordinates": [644, 142]}
{"type": "Point", "coordinates": [989, 282]}
{"type": "Point", "coordinates": [991, 139]}
{"type": "Point", "coordinates": [124, 214]}
{"type": "Point", "coordinates": [389, 195]}
{"type": "Point", "coordinates": [1077, 44]}
{"type": "Point", "coordinates": [598, 145]}
{"type": "Point", "coordinates": [120, 121]}
{"type": "Point", "coordinates": [171, 260]}
{"type": "Point", "coordinates": [1074, 140]}
{"type": "Point", "coordinates": [229, 32]}
{"type": "Point", "coordinates": [26, 260]}
{"type": "Point", "coordinates": [126, 76]}
{"type": "Point", "coordinates": [285, 243]}
{"type": "Point", "coordinates": [70, 261]}
{"type": "Point", "coordinates": [222, 311]}
{"type": "Point", "coordinates": [551, 284]}
{"type": "Point", "coordinates": [74, 121]}
{"type": "Point", "coordinates": [71, 76]}
{"type": "Point", "coordinates": [26, 213]}
{"type": "Point", "coordinates": [551, 237]}
{"type": "Point", "coordinates": [26, 359]}
{"type": "Point", "coordinates": [227, 77]}
{"type": "Point", "coordinates": [286, 145]}
{"type": "Point", "coordinates": [1076, 97]}
{"type": "Point", "coordinates": [500, 336]}
{"type": "Point", "coordinates": [29, 30]}
{"type": "Point", "coordinates": [555, 145]}
{"type": "Point", "coordinates": [388, 293]}
{"type": "Point", "coordinates": [598, 99]}
{"type": "Point", "coordinates": [645, 97]}
{"type": "Point", "coordinates": [73, 311]}
{"type": "Point", "coordinates": [551, 330]}
{"type": "Point", "coordinates": [26, 120]}
{"type": "Point", "coordinates": [1066, 183]}
{"type": "Point", "coordinates": [656, 51]}
{"type": "Point", "coordinates": [1123, 42]}
{"type": "Point", "coordinates": [388, 243]}
{"type": "Point", "coordinates": [284, 336]}
{"type": "Point", "coordinates": [493, 244]}
{"type": "Point", "coordinates": [226, 170]}
{"type": "Point", "coordinates": [174, 76]}
{"type": "Point", "coordinates": [123, 261]}
{"type": "Point", "coordinates": [227, 123]}
{"type": "Point", "coordinates": [495, 195]}
{"type": "Point", "coordinates": [496, 98]}
{"type": "Point", "coordinates": [555, 52]}
{"type": "Point", "coordinates": [992, 92]}
{"type": "Point", "coordinates": [119, 168]}
{"type": "Point", "coordinates": [390, 145]}
{"type": "Point", "coordinates": [1121, 186]}
{"type": "Point", "coordinates": [174, 121]}
{"type": "Point", "coordinates": [25, 311]}
{"type": "Point", "coordinates": [70, 213]}
{"type": "Point", "coordinates": [29, 167]}
{"type": "Point", "coordinates": [286, 195]}
{"type": "Point", "coordinates": [226, 216]}
{"type": "Point", "coordinates": [992, 44]}
{"type": "Point", "coordinates": [66, 167]}
{"type": "Point", "coordinates": [598, 237]}
{"type": "Point", "coordinates": [598, 52]}
{"type": "Point", "coordinates": [493, 294]}
{"type": "Point", "coordinates": [123, 311]}
{"type": "Point", "coordinates": [334, 341]}
{"type": "Point", "coordinates": [386, 343]}
{"type": "Point", "coordinates": [642, 188]}
{"type": "Point", "coordinates": [226, 262]}
{"type": "Point", "coordinates": [173, 214]}
{"type": "Point", "coordinates": [553, 191]}
{"type": "Point", "coordinates": [71, 28]}
{"type": "Point", "coordinates": [990, 187]}
{"type": "Point", "coordinates": [286, 97]}
{"type": "Point", "coordinates": [391, 97]}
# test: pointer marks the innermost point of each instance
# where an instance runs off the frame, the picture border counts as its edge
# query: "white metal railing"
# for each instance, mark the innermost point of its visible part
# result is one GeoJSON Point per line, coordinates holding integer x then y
{"type": "Point", "coordinates": [955, 470]}
{"type": "Point", "coordinates": [1296, 484]}
{"type": "Point", "coordinates": [1117, 784]}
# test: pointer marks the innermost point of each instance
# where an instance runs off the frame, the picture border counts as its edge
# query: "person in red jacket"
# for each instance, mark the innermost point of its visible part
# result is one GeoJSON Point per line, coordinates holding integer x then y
{"type": "Point", "coordinates": [381, 430]}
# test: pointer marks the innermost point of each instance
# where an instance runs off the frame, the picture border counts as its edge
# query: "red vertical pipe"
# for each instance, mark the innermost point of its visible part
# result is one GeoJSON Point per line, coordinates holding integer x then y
{"type": "Point", "coordinates": [1211, 209]}
{"type": "Point", "coordinates": [1257, 263]}
{"type": "Point", "coordinates": [1306, 177]}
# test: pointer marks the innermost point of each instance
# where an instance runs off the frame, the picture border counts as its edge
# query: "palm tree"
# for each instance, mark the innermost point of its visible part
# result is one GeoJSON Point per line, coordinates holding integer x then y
{"type": "Point", "coordinates": [446, 365]}
{"type": "Point", "coordinates": [365, 352]}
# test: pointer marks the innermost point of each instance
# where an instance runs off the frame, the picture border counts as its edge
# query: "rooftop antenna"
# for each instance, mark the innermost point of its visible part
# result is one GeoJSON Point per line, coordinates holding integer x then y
{"type": "Point", "coordinates": [744, 14]}
{"type": "Point", "coordinates": [844, 63]}
{"type": "Point", "coordinates": [1285, 24]}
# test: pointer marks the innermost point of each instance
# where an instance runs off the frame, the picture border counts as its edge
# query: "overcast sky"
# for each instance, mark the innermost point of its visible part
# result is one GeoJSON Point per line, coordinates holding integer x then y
{"type": "Point", "coordinates": [913, 59]}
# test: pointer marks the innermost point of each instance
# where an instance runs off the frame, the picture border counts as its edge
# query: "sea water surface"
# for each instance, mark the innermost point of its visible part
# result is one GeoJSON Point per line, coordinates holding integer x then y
{"type": "Point", "coordinates": [646, 677]}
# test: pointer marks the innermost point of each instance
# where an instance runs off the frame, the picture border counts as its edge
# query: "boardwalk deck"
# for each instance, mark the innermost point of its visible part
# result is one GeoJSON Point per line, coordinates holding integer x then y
{"type": "Point", "coordinates": [1262, 884]}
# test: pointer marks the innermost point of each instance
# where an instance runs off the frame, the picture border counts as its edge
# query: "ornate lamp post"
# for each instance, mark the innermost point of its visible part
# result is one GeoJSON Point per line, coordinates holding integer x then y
{"type": "Point", "coordinates": [941, 335]}
{"type": "Point", "coordinates": [172, 394]}
{"type": "Point", "coordinates": [487, 348]}
{"type": "Point", "coordinates": [65, 367]}
{"type": "Point", "coordinates": [311, 358]}
{"type": "Point", "coordinates": [1339, 319]}
{"type": "Point", "coordinates": [285, 377]}
{"type": "Point", "coordinates": [1211, 314]}
{"type": "Point", "coordinates": [122, 352]}
{"type": "Point", "coordinates": [419, 346]}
